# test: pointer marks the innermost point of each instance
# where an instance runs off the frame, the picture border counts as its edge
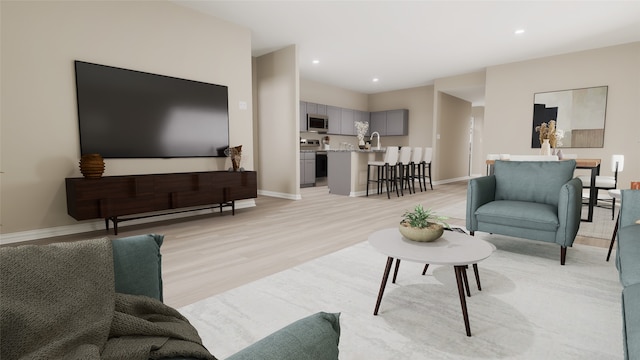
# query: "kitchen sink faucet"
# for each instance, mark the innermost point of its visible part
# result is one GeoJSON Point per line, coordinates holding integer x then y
{"type": "Point", "coordinates": [371, 138]}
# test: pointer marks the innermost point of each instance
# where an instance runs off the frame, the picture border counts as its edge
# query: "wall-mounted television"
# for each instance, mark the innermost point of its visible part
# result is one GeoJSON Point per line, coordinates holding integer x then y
{"type": "Point", "coordinates": [131, 114]}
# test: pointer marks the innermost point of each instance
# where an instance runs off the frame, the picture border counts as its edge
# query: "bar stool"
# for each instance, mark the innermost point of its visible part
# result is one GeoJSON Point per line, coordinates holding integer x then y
{"type": "Point", "coordinates": [416, 159]}
{"type": "Point", "coordinates": [404, 163]}
{"type": "Point", "coordinates": [426, 166]}
{"type": "Point", "coordinates": [386, 170]}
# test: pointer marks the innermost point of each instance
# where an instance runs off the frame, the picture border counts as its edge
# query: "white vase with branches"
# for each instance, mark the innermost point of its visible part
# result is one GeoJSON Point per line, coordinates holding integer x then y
{"type": "Point", "coordinates": [361, 128]}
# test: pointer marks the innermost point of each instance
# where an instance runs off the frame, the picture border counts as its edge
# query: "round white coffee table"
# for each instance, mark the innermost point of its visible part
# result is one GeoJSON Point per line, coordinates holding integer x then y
{"type": "Point", "coordinates": [453, 248]}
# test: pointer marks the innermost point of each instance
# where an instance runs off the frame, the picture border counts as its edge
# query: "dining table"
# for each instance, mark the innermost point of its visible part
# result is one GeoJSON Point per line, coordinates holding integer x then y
{"type": "Point", "coordinates": [589, 164]}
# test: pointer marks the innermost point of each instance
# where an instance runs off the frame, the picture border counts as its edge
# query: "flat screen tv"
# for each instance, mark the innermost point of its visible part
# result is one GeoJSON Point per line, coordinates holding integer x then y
{"type": "Point", "coordinates": [131, 114]}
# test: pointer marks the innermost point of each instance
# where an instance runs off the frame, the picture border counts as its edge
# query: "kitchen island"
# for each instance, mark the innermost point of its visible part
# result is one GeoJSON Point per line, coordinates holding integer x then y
{"type": "Point", "coordinates": [347, 170]}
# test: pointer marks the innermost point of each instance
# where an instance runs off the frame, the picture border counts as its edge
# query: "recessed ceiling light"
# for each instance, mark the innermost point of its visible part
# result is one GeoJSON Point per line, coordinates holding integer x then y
{"type": "Point", "coordinates": [519, 32]}
{"type": "Point", "coordinates": [316, 61]}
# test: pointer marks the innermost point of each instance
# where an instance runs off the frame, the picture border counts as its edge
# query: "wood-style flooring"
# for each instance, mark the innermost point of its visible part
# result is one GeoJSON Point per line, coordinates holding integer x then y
{"type": "Point", "coordinates": [205, 255]}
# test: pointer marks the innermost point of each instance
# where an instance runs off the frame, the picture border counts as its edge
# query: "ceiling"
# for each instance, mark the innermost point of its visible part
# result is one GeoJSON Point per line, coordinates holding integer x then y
{"type": "Point", "coordinates": [407, 44]}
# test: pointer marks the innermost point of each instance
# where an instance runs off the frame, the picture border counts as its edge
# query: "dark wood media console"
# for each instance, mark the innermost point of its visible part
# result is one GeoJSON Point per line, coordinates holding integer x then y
{"type": "Point", "coordinates": [114, 196]}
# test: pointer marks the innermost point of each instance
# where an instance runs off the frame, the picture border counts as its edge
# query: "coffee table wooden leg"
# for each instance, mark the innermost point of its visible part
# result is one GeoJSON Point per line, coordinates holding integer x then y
{"type": "Point", "coordinates": [459, 270]}
{"type": "Point", "coordinates": [395, 271]}
{"type": "Point", "coordinates": [387, 270]}
{"type": "Point", "coordinates": [475, 271]}
{"type": "Point", "coordinates": [466, 280]}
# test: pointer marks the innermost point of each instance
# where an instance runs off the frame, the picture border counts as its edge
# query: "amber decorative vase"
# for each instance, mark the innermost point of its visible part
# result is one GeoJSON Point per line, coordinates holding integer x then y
{"type": "Point", "coordinates": [92, 166]}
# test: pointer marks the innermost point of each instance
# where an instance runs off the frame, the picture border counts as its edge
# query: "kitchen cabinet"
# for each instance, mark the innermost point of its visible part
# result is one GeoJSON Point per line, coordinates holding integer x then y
{"type": "Point", "coordinates": [390, 122]}
{"type": "Point", "coordinates": [362, 116]}
{"type": "Point", "coordinates": [312, 108]}
{"type": "Point", "coordinates": [398, 122]}
{"type": "Point", "coordinates": [347, 119]}
{"type": "Point", "coordinates": [347, 171]}
{"type": "Point", "coordinates": [334, 114]}
{"type": "Point", "coordinates": [316, 109]}
{"type": "Point", "coordinates": [307, 168]}
{"type": "Point", "coordinates": [303, 116]}
{"type": "Point", "coordinates": [378, 122]}
{"type": "Point", "coordinates": [342, 121]}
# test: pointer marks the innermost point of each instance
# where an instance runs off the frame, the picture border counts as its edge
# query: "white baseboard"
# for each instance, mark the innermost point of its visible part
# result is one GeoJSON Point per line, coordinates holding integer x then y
{"type": "Point", "coordinates": [99, 224]}
{"type": "Point", "coordinates": [280, 195]}
{"type": "Point", "coordinates": [446, 181]}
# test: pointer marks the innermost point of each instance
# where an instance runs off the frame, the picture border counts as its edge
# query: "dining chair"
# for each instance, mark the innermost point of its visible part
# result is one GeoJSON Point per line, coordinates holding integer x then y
{"type": "Point", "coordinates": [606, 182]}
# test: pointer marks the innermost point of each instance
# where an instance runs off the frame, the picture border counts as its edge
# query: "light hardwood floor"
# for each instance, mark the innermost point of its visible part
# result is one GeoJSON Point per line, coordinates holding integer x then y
{"type": "Point", "coordinates": [208, 254]}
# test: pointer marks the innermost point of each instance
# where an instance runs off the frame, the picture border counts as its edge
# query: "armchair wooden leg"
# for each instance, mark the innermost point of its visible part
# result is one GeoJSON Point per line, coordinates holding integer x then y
{"type": "Point", "coordinates": [563, 254]}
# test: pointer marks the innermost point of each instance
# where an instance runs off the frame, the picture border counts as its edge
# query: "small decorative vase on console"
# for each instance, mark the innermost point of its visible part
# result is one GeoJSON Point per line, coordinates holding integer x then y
{"type": "Point", "coordinates": [92, 166]}
{"type": "Point", "coordinates": [545, 149]}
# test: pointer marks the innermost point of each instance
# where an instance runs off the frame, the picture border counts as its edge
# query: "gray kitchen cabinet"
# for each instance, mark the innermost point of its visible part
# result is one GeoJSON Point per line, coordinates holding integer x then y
{"type": "Point", "coordinates": [390, 122]}
{"type": "Point", "coordinates": [347, 120]}
{"type": "Point", "coordinates": [303, 116]}
{"type": "Point", "coordinates": [362, 116]}
{"type": "Point", "coordinates": [397, 122]}
{"type": "Point", "coordinates": [307, 169]}
{"type": "Point", "coordinates": [334, 114]}
{"type": "Point", "coordinates": [316, 109]}
{"type": "Point", "coordinates": [338, 172]}
{"type": "Point", "coordinates": [312, 108]}
{"type": "Point", "coordinates": [379, 122]}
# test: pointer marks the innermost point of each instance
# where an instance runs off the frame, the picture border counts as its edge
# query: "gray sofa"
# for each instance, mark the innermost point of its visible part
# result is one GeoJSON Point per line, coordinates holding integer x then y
{"type": "Point", "coordinates": [536, 200]}
{"type": "Point", "coordinates": [628, 264]}
{"type": "Point", "coordinates": [47, 291]}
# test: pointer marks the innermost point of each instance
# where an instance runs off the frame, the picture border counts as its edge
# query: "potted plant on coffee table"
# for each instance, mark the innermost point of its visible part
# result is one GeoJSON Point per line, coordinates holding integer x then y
{"type": "Point", "coordinates": [422, 224]}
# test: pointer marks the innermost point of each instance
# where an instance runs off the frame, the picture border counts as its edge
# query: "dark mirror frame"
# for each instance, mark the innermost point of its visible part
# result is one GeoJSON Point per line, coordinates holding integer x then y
{"type": "Point", "coordinates": [579, 113]}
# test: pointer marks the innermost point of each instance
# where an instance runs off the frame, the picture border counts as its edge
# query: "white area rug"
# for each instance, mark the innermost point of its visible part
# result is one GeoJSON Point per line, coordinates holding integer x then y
{"type": "Point", "coordinates": [530, 306]}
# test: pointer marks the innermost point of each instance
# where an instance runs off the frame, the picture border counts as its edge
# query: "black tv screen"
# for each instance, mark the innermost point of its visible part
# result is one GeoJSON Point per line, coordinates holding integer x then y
{"type": "Point", "coordinates": [131, 114]}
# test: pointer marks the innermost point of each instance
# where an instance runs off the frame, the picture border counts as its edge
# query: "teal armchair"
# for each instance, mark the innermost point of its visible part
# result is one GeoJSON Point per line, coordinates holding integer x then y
{"type": "Point", "coordinates": [535, 200]}
{"type": "Point", "coordinates": [628, 266]}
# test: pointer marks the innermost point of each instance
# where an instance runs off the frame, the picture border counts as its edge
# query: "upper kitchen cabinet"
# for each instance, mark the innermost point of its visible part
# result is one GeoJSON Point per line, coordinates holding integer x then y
{"type": "Point", "coordinates": [378, 122]}
{"type": "Point", "coordinates": [362, 116]}
{"type": "Point", "coordinates": [334, 114]}
{"type": "Point", "coordinates": [390, 122]}
{"type": "Point", "coordinates": [316, 109]}
{"type": "Point", "coordinates": [347, 119]}
{"type": "Point", "coordinates": [303, 116]}
{"type": "Point", "coordinates": [398, 122]}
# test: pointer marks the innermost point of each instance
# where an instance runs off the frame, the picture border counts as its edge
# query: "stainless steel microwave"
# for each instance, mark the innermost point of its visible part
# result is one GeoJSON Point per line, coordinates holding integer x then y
{"type": "Point", "coordinates": [317, 123]}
